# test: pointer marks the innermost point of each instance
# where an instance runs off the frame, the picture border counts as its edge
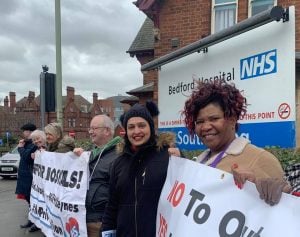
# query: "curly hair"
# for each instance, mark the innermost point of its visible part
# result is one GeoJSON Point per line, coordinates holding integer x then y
{"type": "Point", "coordinates": [227, 96]}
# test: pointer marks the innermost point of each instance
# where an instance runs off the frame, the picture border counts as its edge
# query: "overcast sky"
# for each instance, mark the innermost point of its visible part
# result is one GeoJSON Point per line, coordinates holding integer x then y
{"type": "Point", "coordinates": [95, 36]}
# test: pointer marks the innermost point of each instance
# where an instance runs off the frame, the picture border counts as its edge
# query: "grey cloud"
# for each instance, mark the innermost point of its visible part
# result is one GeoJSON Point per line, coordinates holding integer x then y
{"type": "Point", "coordinates": [95, 37]}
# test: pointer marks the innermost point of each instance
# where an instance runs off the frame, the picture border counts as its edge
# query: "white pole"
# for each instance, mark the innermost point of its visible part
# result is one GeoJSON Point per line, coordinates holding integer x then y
{"type": "Point", "coordinates": [58, 83]}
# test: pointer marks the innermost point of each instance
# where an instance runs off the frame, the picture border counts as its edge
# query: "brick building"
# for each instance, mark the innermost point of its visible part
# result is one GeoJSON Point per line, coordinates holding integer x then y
{"type": "Point", "coordinates": [173, 24]}
{"type": "Point", "coordinates": [77, 112]}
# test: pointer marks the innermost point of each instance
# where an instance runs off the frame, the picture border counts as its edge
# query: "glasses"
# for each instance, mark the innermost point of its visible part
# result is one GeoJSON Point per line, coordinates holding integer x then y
{"type": "Point", "coordinates": [92, 129]}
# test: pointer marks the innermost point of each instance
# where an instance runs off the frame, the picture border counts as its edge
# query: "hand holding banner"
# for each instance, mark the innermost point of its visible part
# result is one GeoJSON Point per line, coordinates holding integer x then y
{"type": "Point", "coordinates": [197, 199]}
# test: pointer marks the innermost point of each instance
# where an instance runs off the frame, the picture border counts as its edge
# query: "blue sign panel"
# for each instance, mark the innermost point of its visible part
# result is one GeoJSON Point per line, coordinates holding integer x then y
{"type": "Point", "coordinates": [260, 134]}
{"type": "Point", "coordinates": [259, 65]}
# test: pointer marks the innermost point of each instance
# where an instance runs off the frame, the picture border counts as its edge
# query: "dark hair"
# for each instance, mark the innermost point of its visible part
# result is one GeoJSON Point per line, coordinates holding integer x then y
{"type": "Point", "coordinates": [28, 127]}
{"type": "Point", "coordinates": [227, 96]}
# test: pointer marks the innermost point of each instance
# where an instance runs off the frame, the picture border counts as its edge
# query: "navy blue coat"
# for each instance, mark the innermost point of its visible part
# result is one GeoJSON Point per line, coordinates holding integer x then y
{"type": "Point", "coordinates": [25, 169]}
{"type": "Point", "coordinates": [135, 186]}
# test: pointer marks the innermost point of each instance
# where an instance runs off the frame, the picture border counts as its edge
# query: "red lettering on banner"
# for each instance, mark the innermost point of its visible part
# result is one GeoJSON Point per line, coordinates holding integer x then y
{"type": "Point", "coordinates": [176, 193]}
{"type": "Point", "coordinates": [163, 226]}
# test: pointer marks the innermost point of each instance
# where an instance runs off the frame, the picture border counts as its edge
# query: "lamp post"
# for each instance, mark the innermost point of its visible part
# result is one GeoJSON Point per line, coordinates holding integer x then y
{"type": "Point", "coordinates": [42, 93]}
{"type": "Point", "coordinates": [59, 113]}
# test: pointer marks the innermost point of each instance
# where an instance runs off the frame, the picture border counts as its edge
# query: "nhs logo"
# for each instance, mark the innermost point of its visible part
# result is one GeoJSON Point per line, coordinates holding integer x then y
{"type": "Point", "coordinates": [259, 65]}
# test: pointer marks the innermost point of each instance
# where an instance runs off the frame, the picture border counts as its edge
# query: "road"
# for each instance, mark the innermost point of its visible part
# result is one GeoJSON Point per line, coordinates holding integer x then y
{"type": "Point", "coordinates": [13, 212]}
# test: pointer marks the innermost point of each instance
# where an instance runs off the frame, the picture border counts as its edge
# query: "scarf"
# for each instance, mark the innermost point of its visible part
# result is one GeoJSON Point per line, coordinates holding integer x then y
{"type": "Point", "coordinates": [97, 150]}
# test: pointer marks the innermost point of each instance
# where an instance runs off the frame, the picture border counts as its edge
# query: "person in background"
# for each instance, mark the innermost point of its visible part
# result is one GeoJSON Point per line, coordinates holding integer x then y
{"type": "Point", "coordinates": [24, 181]}
{"type": "Point", "coordinates": [55, 140]}
{"type": "Point", "coordinates": [38, 138]}
{"type": "Point", "coordinates": [212, 112]}
{"type": "Point", "coordinates": [167, 139]}
{"type": "Point", "coordinates": [137, 176]}
{"type": "Point", "coordinates": [292, 175]}
{"type": "Point", "coordinates": [102, 156]}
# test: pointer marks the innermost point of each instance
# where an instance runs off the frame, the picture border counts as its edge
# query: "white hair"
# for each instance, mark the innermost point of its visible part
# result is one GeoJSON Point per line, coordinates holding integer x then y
{"type": "Point", "coordinates": [108, 123]}
{"type": "Point", "coordinates": [38, 134]}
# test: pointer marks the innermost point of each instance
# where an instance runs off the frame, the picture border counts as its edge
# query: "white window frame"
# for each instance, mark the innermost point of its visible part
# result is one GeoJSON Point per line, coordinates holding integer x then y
{"type": "Point", "coordinates": [213, 15]}
{"type": "Point", "coordinates": [250, 6]}
{"type": "Point", "coordinates": [71, 122]}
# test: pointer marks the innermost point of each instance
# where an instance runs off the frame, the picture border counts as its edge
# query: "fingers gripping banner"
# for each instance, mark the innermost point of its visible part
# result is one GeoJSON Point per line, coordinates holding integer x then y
{"type": "Point", "coordinates": [198, 200]}
{"type": "Point", "coordinates": [57, 202]}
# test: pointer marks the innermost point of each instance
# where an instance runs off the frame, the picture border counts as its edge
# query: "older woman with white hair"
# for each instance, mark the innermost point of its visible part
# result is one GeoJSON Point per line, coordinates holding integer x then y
{"type": "Point", "coordinates": [38, 138]}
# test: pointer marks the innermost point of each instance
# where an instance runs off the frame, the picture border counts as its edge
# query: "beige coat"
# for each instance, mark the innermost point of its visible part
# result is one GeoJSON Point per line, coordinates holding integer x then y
{"type": "Point", "coordinates": [247, 156]}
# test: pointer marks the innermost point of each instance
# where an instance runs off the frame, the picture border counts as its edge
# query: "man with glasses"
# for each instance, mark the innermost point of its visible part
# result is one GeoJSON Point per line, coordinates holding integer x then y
{"type": "Point", "coordinates": [102, 156]}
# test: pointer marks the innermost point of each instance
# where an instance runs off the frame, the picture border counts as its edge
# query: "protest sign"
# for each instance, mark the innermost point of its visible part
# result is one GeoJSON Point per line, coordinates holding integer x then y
{"type": "Point", "coordinates": [57, 202]}
{"type": "Point", "coordinates": [198, 200]}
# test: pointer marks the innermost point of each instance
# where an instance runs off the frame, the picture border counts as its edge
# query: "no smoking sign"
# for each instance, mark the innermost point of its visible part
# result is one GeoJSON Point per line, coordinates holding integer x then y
{"type": "Point", "coordinates": [284, 110]}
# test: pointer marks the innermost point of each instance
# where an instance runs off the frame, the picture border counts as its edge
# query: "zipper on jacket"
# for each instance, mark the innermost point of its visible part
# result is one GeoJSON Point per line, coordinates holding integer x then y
{"type": "Point", "coordinates": [135, 205]}
{"type": "Point", "coordinates": [144, 176]}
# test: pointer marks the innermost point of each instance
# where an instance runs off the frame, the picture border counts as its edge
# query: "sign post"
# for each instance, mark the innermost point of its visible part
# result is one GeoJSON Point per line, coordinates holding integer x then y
{"type": "Point", "coordinates": [7, 136]}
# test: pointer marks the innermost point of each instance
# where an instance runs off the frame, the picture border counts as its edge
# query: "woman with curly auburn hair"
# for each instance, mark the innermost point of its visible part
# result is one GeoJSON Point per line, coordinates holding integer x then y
{"type": "Point", "coordinates": [212, 112]}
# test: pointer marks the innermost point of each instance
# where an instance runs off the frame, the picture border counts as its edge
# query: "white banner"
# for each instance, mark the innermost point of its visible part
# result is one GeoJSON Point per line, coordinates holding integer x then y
{"type": "Point", "coordinates": [57, 202]}
{"type": "Point", "coordinates": [198, 200]}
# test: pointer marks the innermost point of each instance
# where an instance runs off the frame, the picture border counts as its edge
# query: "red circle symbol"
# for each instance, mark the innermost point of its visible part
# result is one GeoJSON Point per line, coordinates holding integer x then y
{"type": "Point", "coordinates": [284, 110]}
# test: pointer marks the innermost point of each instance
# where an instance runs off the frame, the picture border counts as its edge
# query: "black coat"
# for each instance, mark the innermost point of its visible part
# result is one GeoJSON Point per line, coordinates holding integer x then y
{"type": "Point", "coordinates": [97, 194]}
{"type": "Point", "coordinates": [136, 184]}
{"type": "Point", "coordinates": [25, 169]}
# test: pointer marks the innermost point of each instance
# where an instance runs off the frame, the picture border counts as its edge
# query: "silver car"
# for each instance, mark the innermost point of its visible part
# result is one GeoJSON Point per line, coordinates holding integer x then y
{"type": "Point", "coordinates": [9, 163]}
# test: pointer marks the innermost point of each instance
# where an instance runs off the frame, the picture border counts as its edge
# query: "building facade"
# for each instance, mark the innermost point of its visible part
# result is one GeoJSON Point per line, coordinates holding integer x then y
{"type": "Point", "coordinates": [176, 24]}
{"type": "Point", "coordinates": [77, 112]}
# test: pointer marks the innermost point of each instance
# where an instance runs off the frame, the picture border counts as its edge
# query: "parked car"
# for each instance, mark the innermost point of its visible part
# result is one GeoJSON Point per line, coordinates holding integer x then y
{"type": "Point", "coordinates": [9, 164]}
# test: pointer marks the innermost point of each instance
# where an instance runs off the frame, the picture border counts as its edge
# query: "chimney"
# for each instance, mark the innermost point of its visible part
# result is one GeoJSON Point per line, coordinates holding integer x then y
{"type": "Point", "coordinates": [70, 93]}
{"type": "Point", "coordinates": [95, 98]}
{"type": "Point", "coordinates": [31, 96]}
{"type": "Point", "coordinates": [6, 102]}
{"type": "Point", "coordinates": [12, 100]}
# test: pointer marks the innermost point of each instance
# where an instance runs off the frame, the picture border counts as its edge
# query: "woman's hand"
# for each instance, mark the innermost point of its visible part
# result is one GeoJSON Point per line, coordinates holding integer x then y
{"type": "Point", "coordinates": [21, 143]}
{"type": "Point", "coordinates": [78, 151]}
{"type": "Point", "coordinates": [271, 189]}
{"type": "Point", "coordinates": [174, 151]}
{"type": "Point", "coordinates": [240, 176]}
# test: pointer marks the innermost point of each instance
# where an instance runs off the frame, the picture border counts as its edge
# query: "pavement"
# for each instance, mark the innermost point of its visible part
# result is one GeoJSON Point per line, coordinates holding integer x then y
{"type": "Point", "coordinates": [13, 212]}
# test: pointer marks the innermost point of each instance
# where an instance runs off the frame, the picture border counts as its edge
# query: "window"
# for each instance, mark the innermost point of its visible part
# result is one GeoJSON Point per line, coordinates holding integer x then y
{"type": "Point", "coordinates": [257, 6]}
{"type": "Point", "coordinates": [71, 123]}
{"type": "Point", "coordinates": [84, 108]}
{"type": "Point", "coordinates": [224, 14]}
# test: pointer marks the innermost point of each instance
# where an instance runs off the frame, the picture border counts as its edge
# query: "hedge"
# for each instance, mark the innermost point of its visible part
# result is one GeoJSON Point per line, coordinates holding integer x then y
{"type": "Point", "coordinates": [285, 156]}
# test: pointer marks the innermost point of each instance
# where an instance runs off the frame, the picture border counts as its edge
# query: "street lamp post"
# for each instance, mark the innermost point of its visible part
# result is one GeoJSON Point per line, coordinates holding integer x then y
{"type": "Point", "coordinates": [59, 113]}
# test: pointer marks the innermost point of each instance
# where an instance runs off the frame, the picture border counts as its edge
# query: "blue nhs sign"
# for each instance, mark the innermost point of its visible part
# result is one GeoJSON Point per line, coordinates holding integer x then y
{"type": "Point", "coordinates": [258, 65]}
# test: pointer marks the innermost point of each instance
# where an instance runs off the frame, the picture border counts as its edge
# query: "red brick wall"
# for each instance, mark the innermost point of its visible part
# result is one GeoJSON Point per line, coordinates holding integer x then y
{"type": "Point", "coordinates": [186, 20]}
{"type": "Point", "coordinates": [190, 20]}
{"type": "Point", "coordinates": [296, 3]}
{"type": "Point", "coordinates": [243, 14]}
